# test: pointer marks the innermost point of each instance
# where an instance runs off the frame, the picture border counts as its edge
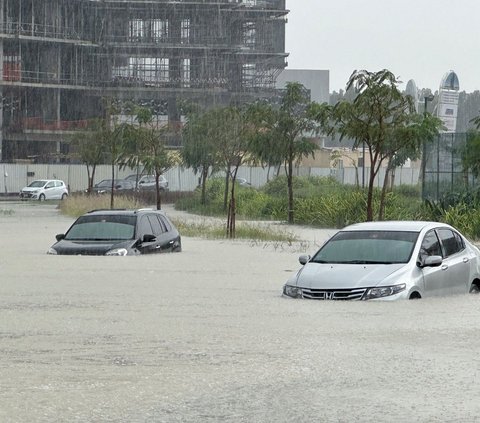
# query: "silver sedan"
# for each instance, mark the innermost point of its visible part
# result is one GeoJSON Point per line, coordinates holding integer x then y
{"type": "Point", "coordinates": [389, 261]}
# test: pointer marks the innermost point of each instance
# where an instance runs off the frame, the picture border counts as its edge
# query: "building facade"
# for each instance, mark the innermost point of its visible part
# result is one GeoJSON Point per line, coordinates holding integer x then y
{"type": "Point", "coordinates": [447, 108]}
{"type": "Point", "coordinates": [61, 61]}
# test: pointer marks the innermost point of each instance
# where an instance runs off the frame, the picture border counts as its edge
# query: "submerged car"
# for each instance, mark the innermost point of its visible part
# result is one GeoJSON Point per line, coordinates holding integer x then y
{"type": "Point", "coordinates": [45, 189]}
{"type": "Point", "coordinates": [119, 233]}
{"type": "Point", "coordinates": [389, 261]}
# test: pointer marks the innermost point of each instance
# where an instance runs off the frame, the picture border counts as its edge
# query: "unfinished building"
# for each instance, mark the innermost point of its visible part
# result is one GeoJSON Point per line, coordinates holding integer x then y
{"type": "Point", "coordinates": [62, 59]}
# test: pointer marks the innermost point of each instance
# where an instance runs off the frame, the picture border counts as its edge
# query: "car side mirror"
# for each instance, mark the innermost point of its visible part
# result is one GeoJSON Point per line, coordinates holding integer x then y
{"type": "Point", "coordinates": [304, 259]}
{"type": "Point", "coordinates": [59, 237]}
{"type": "Point", "coordinates": [430, 261]}
{"type": "Point", "coordinates": [149, 238]}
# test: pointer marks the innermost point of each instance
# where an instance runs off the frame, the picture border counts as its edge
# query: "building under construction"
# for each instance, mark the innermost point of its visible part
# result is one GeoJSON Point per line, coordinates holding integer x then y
{"type": "Point", "coordinates": [63, 60]}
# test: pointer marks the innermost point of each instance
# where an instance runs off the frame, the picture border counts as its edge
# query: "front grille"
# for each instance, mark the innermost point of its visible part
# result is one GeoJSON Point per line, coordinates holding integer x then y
{"type": "Point", "coordinates": [333, 294]}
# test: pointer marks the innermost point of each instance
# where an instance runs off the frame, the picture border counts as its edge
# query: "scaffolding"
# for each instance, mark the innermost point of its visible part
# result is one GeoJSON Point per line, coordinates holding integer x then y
{"type": "Point", "coordinates": [59, 58]}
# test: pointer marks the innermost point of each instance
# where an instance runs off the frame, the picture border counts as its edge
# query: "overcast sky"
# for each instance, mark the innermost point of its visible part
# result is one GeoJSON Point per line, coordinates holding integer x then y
{"type": "Point", "coordinates": [415, 39]}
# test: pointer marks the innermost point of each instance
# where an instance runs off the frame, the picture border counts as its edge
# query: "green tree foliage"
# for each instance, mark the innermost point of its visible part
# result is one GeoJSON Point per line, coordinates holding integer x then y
{"type": "Point", "coordinates": [231, 136]}
{"type": "Point", "coordinates": [145, 146]}
{"type": "Point", "coordinates": [199, 150]}
{"type": "Point", "coordinates": [283, 130]}
{"type": "Point", "coordinates": [384, 120]}
{"type": "Point", "coordinates": [90, 149]}
{"type": "Point", "coordinates": [471, 152]}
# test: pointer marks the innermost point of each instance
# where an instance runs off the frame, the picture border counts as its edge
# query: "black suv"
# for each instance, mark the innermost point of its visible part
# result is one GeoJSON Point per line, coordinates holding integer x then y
{"type": "Point", "coordinates": [119, 233]}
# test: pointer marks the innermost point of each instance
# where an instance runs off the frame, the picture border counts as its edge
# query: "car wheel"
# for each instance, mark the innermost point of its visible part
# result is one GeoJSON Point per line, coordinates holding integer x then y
{"type": "Point", "coordinates": [415, 296]}
{"type": "Point", "coordinates": [41, 197]}
{"type": "Point", "coordinates": [64, 196]}
{"type": "Point", "coordinates": [474, 289]}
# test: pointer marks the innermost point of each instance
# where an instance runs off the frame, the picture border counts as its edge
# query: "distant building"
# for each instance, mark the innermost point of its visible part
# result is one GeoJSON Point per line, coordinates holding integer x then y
{"type": "Point", "coordinates": [412, 91]}
{"type": "Point", "coordinates": [60, 59]}
{"type": "Point", "coordinates": [316, 81]}
{"type": "Point", "coordinates": [447, 108]}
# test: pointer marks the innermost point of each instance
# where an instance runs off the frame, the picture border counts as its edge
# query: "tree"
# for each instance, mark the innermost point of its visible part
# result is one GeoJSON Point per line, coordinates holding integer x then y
{"type": "Point", "coordinates": [262, 144]}
{"type": "Point", "coordinates": [145, 145]}
{"type": "Point", "coordinates": [285, 129]}
{"type": "Point", "coordinates": [471, 152]}
{"type": "Point", "coordinates": [381, 118]}
{"type": "Point", "coordinates": [199, 151]}
{"type": "Point", "coordinates": [215, 139]}
{"type": "Point", "coordinates": [231, 135]}
{"type": "Point", "coordinates": [405, 143]}
{"type": "Point", "coordinates": [90, 149]}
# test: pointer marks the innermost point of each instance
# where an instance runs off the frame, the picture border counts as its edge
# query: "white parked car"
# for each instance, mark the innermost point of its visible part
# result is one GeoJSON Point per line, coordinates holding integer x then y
{"type": "Point", "coordinates": [389, 261]}
{"type": "Point", "coordinates": [45, 189]}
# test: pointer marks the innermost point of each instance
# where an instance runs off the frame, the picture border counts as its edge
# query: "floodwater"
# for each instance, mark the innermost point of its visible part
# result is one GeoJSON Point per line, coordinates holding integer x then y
{"type": "Point", "coordinates": [204, 336]}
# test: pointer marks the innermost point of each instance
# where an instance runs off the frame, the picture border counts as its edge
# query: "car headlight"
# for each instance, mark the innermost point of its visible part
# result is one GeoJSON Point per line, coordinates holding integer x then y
{"type": "Point", "coordinates": [52, 251]}
{"type": "Point", "coordinates": [384, 291]}
{"type": "Point", "coordinates": [117, 252]}
{"type": "Point", "coordinates": [292, 291]}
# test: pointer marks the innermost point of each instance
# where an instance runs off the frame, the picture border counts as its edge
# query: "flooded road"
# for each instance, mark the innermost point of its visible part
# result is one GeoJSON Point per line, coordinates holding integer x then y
{"type": "Point", "coordinates": [204, 336]}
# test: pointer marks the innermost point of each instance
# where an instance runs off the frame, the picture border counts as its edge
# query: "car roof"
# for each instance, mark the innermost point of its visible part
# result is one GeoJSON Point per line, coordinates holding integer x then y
{"type": "Point", "coordinates": [395, 225]}
{"type": "Point", "coordinates": [126, 212]}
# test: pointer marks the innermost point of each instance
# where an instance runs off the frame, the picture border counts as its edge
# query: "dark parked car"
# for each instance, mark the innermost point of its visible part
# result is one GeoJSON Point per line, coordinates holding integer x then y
{"type": "Point", "coordinates": [119, 186]}
{"type": "Point", "coordinates": [119, 233]}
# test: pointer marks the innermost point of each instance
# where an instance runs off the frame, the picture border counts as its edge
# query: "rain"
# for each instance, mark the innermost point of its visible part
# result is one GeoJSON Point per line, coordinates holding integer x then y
{"type": "Point", "coordinates": [184, 100]}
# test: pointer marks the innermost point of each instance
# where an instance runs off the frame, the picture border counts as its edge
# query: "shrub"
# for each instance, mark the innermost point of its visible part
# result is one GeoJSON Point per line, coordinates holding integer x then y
{"type": "Point", "coordinates": [76, 205]}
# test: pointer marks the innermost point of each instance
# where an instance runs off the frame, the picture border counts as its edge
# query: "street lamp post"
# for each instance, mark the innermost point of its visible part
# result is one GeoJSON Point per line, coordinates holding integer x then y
{"type": "Point", "coordinates": [427, 98]}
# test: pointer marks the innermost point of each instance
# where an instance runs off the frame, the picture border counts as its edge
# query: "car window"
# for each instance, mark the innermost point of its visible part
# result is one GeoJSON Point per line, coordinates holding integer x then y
{"type": "Point", "coordinates": [449, 242]}
{"type": "Point", "coordinates": [430, 245]}
{"type": "Point", "coordinates": [157, 228]}
{"type": "Point", "coordinates": [50, 185]}
{"type": "Point", "coordinates": [460, 240]}
{"type": "Point", "coordinates": [144, 227]}
{"type": "Point", "coordinates": [37, 184]}
{"type": "Point", "coordinates": [165, 223]}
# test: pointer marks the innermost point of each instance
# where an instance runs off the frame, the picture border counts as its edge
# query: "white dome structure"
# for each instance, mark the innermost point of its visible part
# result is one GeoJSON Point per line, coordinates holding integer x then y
{"type": "Point", "coordinates": [450, 82]}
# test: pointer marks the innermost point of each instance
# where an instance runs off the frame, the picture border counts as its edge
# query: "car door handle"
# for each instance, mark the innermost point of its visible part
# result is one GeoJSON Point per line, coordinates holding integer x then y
{"type": "Point", "coordinates": [466, 259]}
{"type": "Point", "coordinates": [444, 267]}
{"type": "Point", "coordinates": [157, 247]}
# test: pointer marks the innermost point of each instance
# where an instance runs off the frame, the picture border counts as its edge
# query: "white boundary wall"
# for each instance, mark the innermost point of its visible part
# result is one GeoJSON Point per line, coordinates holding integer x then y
{"type": "Point", "coordinates": [13, 177]}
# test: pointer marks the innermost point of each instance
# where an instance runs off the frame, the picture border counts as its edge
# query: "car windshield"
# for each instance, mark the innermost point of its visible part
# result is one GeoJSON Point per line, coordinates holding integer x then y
{"type": "Point", "coordinates": [105, 183]}
{"type": "Point", "coordinates": [368, 247]}
{"type": "Point", "coordinates": [102, 228]}
{"type": "Point", "coordinates": [37, 184]}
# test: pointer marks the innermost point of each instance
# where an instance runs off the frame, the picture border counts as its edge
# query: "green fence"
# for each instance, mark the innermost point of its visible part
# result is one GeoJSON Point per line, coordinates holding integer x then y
{"type": "Point", "coordinates": [444, 173]}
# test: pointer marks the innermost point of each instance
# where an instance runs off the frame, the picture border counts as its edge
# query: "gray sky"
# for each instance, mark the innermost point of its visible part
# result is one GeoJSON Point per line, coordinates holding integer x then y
{"type": "Point", "coordinates": [415, 39]}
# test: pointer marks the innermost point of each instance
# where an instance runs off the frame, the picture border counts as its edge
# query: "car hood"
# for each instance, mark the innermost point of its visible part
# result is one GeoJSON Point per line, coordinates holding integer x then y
{"type": "Point", "coordinates": [91, 248]}
{"type": "Point", "coordinates": [344, 276]}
